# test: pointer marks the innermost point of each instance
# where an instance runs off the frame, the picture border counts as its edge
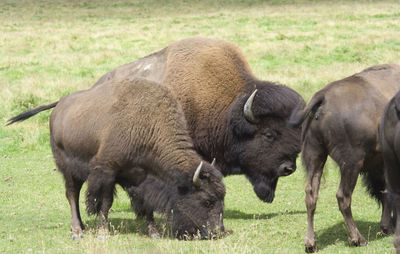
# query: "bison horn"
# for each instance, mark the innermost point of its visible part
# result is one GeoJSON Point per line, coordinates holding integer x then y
{"type": "Point", "coordinates": [196, 179]}
{"type": "Point", "coordinates": [248, 113]}
{"type": "Point", "coordinates": [213, 162]}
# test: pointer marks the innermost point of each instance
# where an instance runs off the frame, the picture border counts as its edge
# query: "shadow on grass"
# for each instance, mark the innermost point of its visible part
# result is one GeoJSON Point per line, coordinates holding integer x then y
{"type": "Point", "coordinates": [137, 226]}
{"type": "Point", "coordinates": [122, 225]}
{"type": "Point", "coordinates": [236, 214]}
{"type": "Point", "coordinates": [338, 233]}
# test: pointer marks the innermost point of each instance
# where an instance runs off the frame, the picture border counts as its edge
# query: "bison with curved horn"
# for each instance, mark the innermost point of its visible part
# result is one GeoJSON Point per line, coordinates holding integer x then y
{"type": "Point", "coordinates": [108, 135]}
{"type": "Point", "coordinates": [232, 116]}
{"type": "Point", "coordinates": [341, 120]}
{"type": "Point", "coordinates": [390, 139]}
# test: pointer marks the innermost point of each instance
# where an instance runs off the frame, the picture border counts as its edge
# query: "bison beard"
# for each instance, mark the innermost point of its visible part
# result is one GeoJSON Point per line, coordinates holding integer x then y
{"type": "Point", "coordinates": [265, 189]}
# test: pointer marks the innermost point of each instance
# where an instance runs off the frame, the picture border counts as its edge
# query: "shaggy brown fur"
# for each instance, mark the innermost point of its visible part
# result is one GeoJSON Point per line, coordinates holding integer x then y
{"type": "Point", "coordinates": [341, 121]}
{"type": "Point", "coordinates": [122, 133]}
{"type": "Point", "coordinates": [390, 139]}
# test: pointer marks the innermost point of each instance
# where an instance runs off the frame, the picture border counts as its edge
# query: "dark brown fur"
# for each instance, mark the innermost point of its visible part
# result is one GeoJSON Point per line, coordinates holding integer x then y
{"type": "Point", "coordinates": [390, 139]}
{"type": "Point", "coordinates": [212, 81]}
{"type": "Point", "coordinates": [341, 121]}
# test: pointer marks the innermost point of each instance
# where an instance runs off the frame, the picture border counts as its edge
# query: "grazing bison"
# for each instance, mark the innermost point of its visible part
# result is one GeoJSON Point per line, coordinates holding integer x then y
{"type": "Point", "coordinates": [152, 195]}
{"type": "Point", "coordinates": [341, 121]}
{"type": "Point", "coordinates": [390, 139]}
{"type": "Point", "coordinates": [232, 116]}
{"type": "Point", "coordinates": [123, 133]}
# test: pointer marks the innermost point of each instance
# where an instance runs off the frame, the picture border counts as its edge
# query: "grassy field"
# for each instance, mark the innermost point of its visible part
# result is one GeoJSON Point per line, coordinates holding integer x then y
{"type": "Point", "coordinates": [52, 48]}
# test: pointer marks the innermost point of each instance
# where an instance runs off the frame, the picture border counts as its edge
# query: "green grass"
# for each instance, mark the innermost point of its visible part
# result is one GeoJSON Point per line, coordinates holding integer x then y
{"type": "Point", "coordinates": [52, 48]}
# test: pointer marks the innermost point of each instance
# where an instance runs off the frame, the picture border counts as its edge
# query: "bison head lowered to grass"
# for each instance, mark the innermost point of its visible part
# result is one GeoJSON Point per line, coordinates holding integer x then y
{"type": "Point", "coordinates": [122, 133]}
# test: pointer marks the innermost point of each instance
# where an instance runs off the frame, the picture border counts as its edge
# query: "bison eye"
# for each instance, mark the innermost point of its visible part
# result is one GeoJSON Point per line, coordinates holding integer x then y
{"type": "Point", "coordinates": [209, 203]}
{"type": "Point", "coordinates": [268, 136]}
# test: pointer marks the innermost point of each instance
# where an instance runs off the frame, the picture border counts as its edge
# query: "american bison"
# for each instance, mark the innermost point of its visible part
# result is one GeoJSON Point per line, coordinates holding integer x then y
{"type": "Point", "coordinates": [390, 139]}
{"type": "Point", "coordinates": [341, 120]}
{"type": "Point", "coordinates": [123, 133]}
{"type": "Point", "coordinates": [232, 116]}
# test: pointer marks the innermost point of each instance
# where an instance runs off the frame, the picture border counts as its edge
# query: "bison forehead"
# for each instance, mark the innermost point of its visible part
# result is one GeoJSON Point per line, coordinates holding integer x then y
{"type": "Point", "coordinates": [276, 100]}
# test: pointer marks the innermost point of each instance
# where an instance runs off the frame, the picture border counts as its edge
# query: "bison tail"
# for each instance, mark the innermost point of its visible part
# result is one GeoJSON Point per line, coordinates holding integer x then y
{"type": "Point", "coordinates": [30, 113]}
{"type": "Point", "coordinates": [300, 113]}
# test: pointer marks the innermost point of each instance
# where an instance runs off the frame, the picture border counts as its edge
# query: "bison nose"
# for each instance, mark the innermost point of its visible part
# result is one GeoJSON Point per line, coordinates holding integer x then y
{"type": "Point", "coordinates": [286, 168]}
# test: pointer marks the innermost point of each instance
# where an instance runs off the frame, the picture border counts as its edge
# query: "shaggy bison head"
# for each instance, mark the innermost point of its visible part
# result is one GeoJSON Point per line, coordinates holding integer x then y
{"type": "Point", "coordinates": [263, 146]}
{"type": "Point", "coordinates": [198, 207]}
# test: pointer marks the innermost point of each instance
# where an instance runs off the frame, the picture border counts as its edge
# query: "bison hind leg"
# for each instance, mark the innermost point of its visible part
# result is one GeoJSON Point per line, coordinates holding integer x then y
{"type": "Point", "coordinates": [73, 187]}
{"type": "Point", "coordinates": [74, 173]}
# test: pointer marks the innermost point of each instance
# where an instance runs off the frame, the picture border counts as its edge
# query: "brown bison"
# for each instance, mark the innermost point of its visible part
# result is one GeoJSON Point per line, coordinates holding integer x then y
{"type": "Point", "coordinates": [390, 139]}
{"type": "Point", "coordinates": [232, 116]}
{"type": "Point", "coordinates": [341, 121]}
{"type": "Point", "coordinates": [123, 133]}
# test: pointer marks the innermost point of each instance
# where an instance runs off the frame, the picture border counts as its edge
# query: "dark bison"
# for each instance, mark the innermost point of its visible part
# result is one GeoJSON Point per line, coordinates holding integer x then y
{"type": "Point", "coordinates": [390, 139]}
{"type": "Point", "coordinates": [123, 133]}
{"type": "Point", "coordinates": [341, 121]}
{"type": "Point", "coordinates": [232, 116]}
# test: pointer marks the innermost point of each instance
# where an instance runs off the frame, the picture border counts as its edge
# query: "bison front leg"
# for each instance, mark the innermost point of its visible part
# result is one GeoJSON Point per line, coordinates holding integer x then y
{"type": "Point", "coordinates": [103, 232]}
{"type": "Point", "coordinates": [100, 194]}
{"type": "Point", "coordinates": [108, 196]}
{"type": "Point", "coordinates": [314, 159]}
{"type": "Point", "coordinates": [138, 206]}
{"type": "Point", "coordinates": [348, 180]}
{"type": "Point", "coordinates": [152, 229]}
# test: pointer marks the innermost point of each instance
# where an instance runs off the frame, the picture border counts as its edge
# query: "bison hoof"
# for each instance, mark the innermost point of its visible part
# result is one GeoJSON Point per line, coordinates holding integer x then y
{"type": "Point", "coordinates": [311, 249]}
{"type": "Point", "coordinates": [155, 236]}
{"type": "Point", "coordinates": [387, 231]}
{"type": "Point", "coordinates": [358, 242]}
{"type": "Point", "coordinates": [310, 245]}
{"type": "Point", "coordinates": [102, 237]}
{"type": "Point", "coordinates": [153, 232]}
{"type": "Point", "coordinates": [77, 236]}
{"type": "Point", "coordinates": [76, 233]}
